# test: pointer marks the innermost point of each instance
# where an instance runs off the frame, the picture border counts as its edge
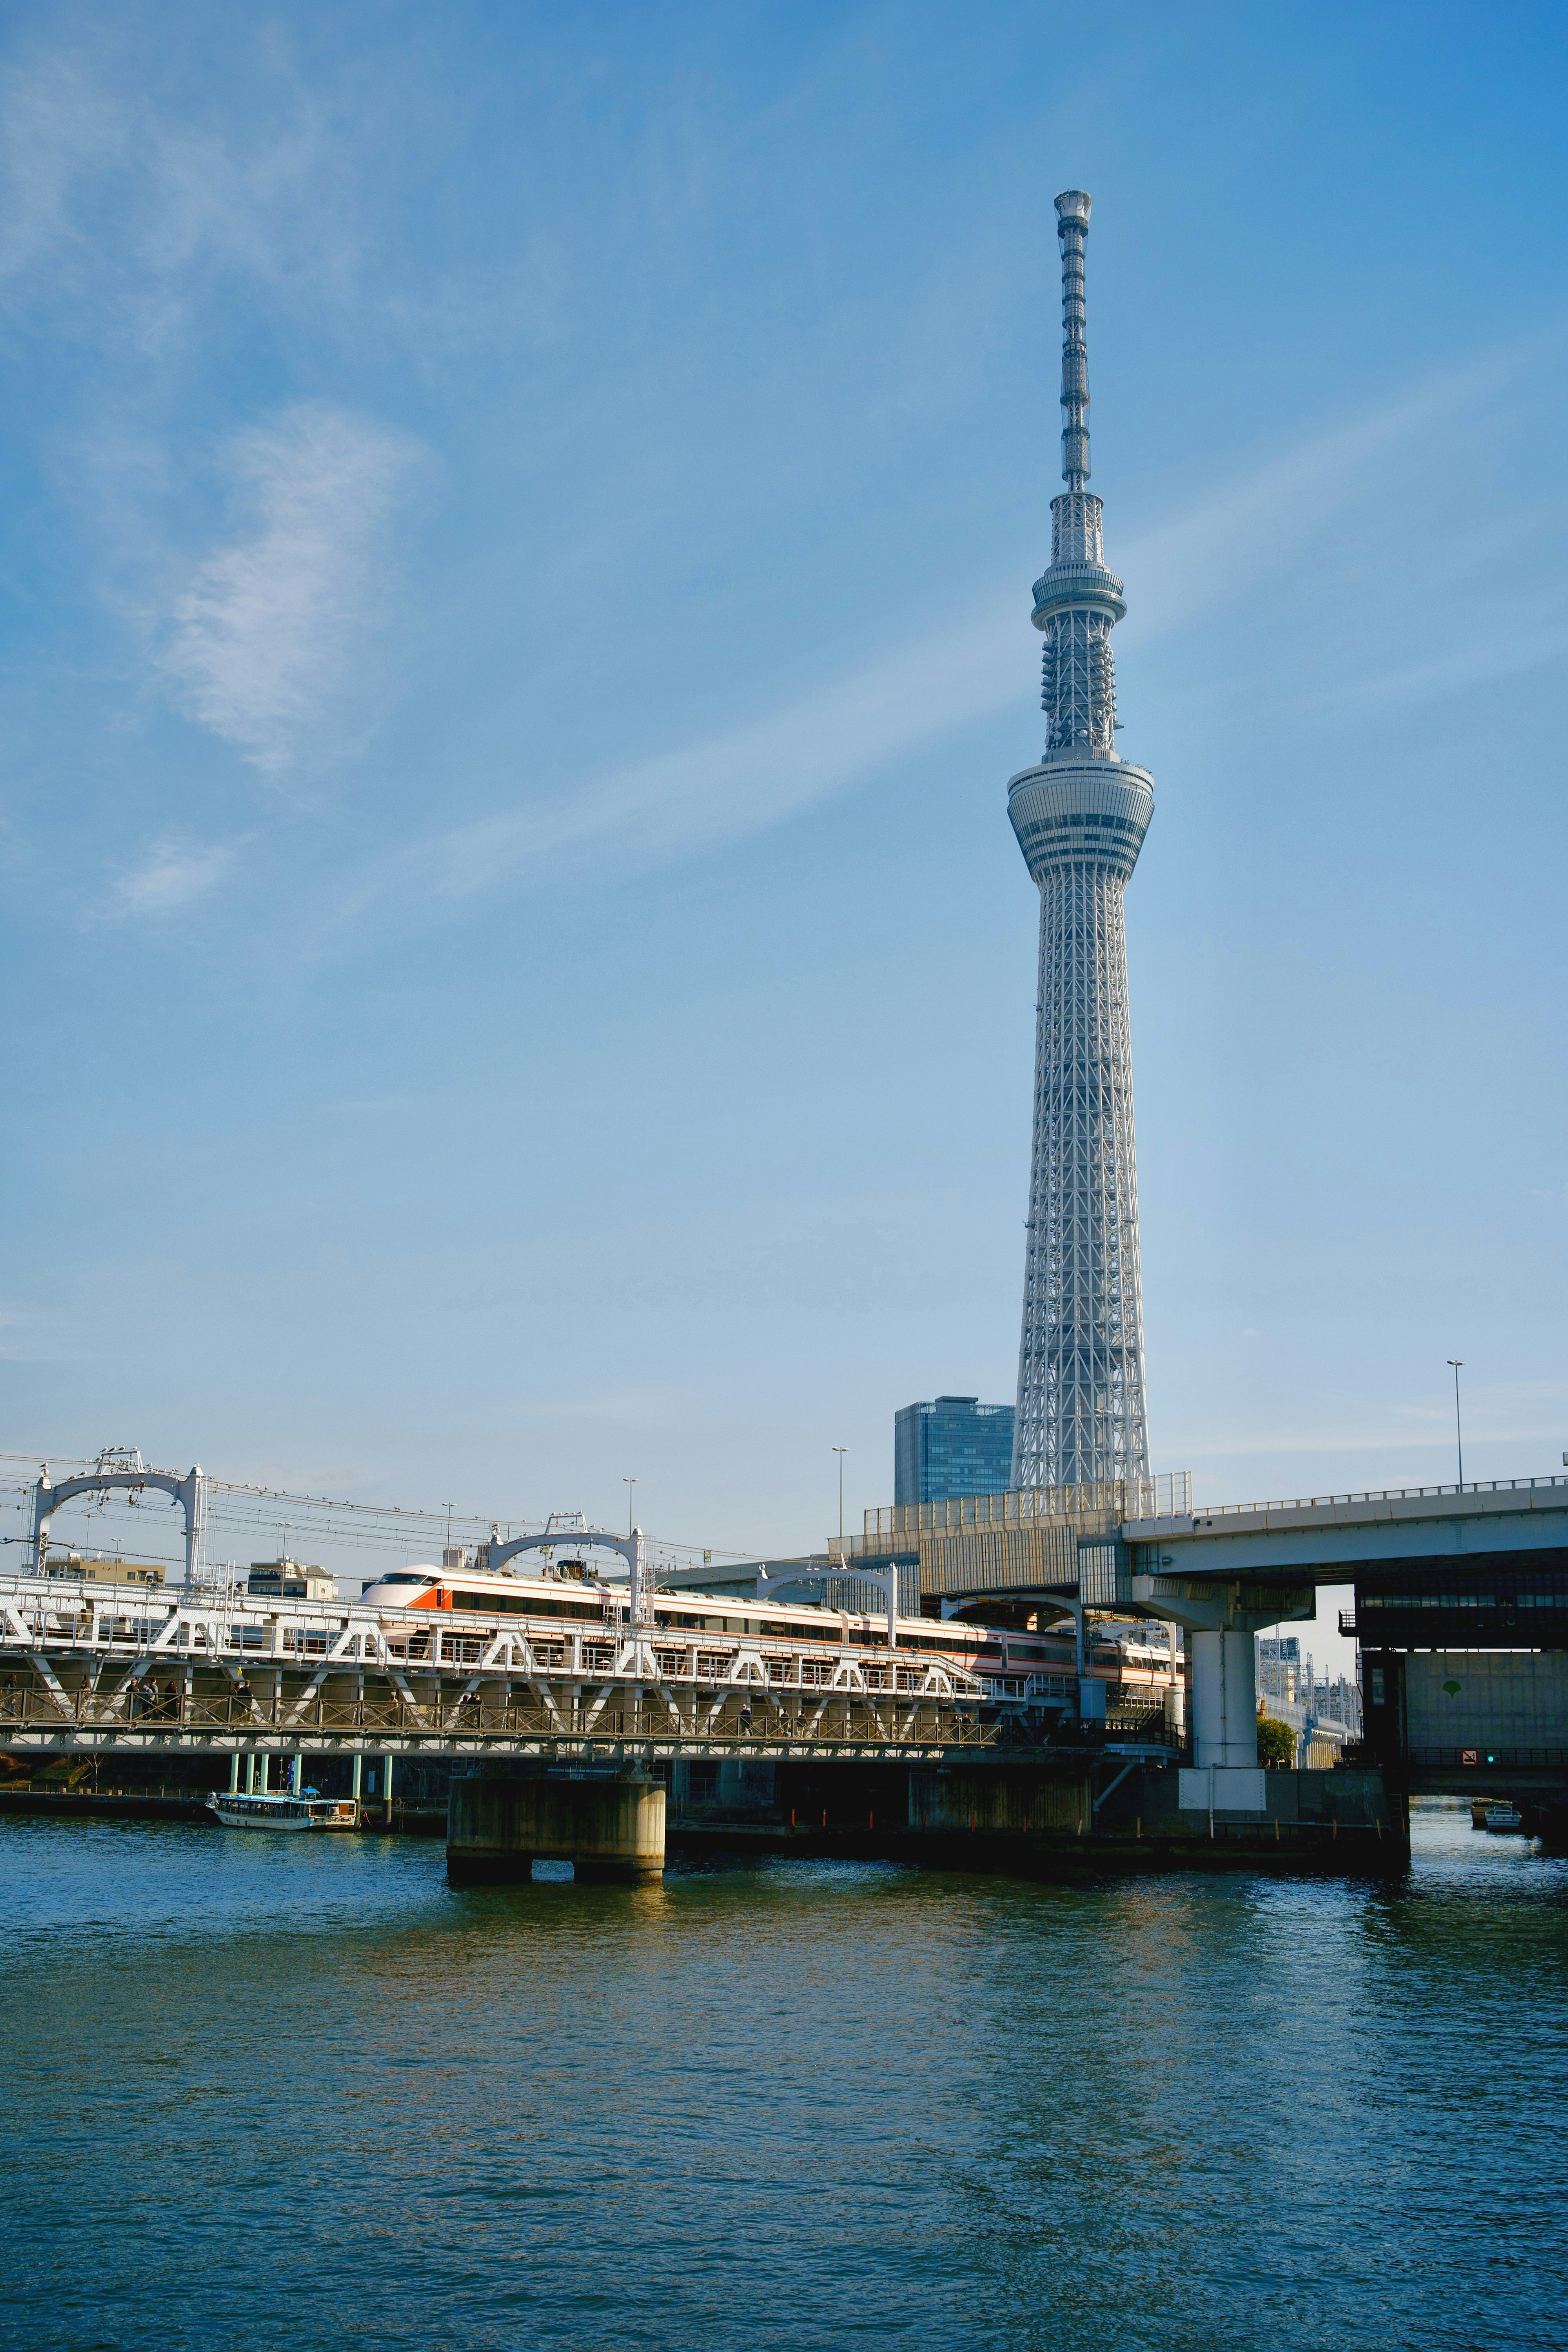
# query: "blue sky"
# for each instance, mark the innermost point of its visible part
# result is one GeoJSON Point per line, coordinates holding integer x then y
{"type": "Point", "coordinates": [517, 534]}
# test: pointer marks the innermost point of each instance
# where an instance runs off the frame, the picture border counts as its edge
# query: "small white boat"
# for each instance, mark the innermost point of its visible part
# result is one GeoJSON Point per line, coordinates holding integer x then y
{"type": "Point", "coordinates": [1501, 1815]}
{"type": "Point", "coordinates": [284, 1813]}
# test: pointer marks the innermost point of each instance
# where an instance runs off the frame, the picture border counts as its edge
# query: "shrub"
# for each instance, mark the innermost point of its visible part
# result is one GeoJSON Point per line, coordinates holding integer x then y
{"type": "Point", "coordinates": [1276, 1744]}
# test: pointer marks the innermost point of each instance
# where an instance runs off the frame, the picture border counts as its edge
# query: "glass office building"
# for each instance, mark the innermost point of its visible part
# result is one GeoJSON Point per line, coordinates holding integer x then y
{"type": "Point", "coordinates": [951, 1445]}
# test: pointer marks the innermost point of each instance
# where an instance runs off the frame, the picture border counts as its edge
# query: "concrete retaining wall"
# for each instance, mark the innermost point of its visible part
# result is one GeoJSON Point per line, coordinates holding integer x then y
{"type": "Point", "coordinates": [1476, 1698]}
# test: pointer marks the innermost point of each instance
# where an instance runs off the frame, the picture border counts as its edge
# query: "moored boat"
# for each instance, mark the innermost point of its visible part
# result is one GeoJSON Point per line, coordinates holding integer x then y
{"type": "Point", "coordinates": [1502, 1815]}
{"type": "Point", "coordinates": [283, 1812]}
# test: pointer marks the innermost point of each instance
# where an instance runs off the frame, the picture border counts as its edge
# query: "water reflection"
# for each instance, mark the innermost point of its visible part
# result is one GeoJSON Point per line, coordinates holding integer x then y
{"type": "Point", "coordinates": [301, 2089]}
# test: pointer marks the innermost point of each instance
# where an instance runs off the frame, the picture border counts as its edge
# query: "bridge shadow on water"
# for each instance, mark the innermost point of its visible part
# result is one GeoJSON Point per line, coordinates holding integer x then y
{"type": "Point", "coordinates": [299, 2089]}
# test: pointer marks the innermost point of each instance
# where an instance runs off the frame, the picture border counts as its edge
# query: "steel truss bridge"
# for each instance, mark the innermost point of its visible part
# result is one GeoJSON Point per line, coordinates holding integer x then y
{"type": "Point", "coordinates": [88, 1668]}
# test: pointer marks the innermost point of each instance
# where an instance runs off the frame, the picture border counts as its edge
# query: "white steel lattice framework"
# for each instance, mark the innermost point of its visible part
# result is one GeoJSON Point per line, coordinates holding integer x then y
{"type": "Point", "coordinates": [1080, 816]}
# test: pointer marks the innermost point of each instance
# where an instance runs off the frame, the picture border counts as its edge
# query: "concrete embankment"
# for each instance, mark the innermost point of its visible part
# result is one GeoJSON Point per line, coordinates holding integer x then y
{"type": "Point", "coordinates": [183, 1805]}
{"type": "Point", "coordinates": [137, 1805]}
{"type": "Point", "coordinates": [1049, 1818]}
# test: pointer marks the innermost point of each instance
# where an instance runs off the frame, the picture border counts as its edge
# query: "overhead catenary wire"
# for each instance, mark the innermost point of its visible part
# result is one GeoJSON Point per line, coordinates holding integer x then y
{"type": "Point", "coordinates": [240, 1507]}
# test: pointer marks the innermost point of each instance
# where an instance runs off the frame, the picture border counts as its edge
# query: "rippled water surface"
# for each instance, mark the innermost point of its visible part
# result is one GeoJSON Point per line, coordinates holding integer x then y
{"type": "Point", "coordinates": [267, 2090]}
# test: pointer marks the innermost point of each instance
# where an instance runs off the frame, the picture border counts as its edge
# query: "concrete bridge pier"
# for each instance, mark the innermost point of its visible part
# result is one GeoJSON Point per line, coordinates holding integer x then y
{"type": "Point", "coordinates": [1220, 1620]}
{"type": "Point", "coordinates": [501, 1822]}
{"type": "Point", "coordinates": [1225, 1699]}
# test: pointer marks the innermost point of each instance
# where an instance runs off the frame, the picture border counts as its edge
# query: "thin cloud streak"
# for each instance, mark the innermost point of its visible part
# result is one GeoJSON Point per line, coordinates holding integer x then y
{"type": "Point", "coordinates": [770, 768]}
{"type": "Point", "coordinates": [1219, 546]}
{"type": "Point", "coordinates": [171, 877]}
{"type": "Point", "coordinates": [1463, 665]}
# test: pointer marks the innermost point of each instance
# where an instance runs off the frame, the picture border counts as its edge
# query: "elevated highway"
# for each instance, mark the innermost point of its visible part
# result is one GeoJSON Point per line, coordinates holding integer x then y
{"type": "Point", "coordinates": [1343, 1538]}
{"type": "Point", "coordinates": [1435, 1569]}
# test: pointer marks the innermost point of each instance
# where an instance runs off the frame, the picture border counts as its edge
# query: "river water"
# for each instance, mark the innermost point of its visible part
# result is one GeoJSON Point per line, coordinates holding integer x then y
{"type": "Point", "coordinates": [295, 2091]}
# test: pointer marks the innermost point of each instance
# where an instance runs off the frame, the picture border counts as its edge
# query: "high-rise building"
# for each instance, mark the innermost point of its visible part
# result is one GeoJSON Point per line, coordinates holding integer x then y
{"type": "Point", "coordinates": [950, 1445]}
{"type": "Point", "coordinates": [1080, 815]}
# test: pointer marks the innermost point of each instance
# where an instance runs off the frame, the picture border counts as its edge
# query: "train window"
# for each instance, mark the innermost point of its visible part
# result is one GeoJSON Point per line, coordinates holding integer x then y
{"type": "Point", "coordinates": [529, 1604]}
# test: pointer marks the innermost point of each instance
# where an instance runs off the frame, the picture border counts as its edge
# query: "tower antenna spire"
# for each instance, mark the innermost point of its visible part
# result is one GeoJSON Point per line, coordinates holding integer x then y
{"type": "Point", "coordinates": [1072, 228]}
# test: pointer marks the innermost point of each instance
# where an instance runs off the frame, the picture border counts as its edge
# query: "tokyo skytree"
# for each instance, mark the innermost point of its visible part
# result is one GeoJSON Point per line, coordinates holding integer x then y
{"type": "Point", "coordinates": [1080, 817]}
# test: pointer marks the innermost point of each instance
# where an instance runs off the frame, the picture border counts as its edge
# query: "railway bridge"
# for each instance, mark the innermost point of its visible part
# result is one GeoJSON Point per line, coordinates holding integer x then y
{"type": "Point", "coordinates": [569, 1724]}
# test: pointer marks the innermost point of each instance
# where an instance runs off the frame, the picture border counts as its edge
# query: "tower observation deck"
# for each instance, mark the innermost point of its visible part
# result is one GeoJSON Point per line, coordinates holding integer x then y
{"type": "Point", "coordinates": [1080, 815]}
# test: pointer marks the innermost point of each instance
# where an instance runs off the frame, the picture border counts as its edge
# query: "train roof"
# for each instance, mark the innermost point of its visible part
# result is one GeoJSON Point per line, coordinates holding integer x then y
{"type": "Point", "coordinates": [501, 1581]}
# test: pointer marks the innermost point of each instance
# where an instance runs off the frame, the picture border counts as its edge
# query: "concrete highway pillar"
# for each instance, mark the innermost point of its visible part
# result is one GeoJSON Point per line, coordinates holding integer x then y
{"type": "Point", "coordinates": [386, 1786]}
{"type": "Point", "coordinates": [1176, 1704]}
{"type": "Point", "coordinates": [1225, 1699]}
{"type": "Point", "coordinates": [234, 1774]}
{"type": "Point", "coordinates": [499, 1822]}
{"type": "Point", "coordinates": [263, 1772]}
{"type": "Point", "coordinates": [358, 1778]}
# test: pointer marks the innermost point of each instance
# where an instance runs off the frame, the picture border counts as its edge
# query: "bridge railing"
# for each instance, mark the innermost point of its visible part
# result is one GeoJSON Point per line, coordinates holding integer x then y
{"type": "Point", "coordinates": [1378, 1495]}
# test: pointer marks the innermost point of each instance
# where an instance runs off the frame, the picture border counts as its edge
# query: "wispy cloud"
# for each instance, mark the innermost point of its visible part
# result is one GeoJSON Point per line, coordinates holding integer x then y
{"type": "Point", "coordinates": [57, 127]}
{"type": "Point", "coordinates": [263, 641]}
{"type": "Point", "coordinates": [1216, 548]}
{"type": "Point", "coordinates": [171, 876]}
{"type": "Point", "coordinates": [1461, 665]}
{"type": "Point", "coordinates": [751, 775]}
{"type": "Point", "coordinates": [766, 768]}
{"type": "Point", "coordinates": [107, 199]}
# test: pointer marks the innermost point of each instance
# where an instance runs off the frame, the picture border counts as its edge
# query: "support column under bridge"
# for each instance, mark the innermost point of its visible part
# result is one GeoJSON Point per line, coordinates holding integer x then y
{"type": "Point", "coordinates": [502, 1819]}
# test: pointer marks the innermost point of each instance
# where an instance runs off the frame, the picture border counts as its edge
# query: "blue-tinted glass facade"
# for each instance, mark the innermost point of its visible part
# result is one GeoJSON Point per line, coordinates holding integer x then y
{"type": "Point", "coordinates": [950, 1445]}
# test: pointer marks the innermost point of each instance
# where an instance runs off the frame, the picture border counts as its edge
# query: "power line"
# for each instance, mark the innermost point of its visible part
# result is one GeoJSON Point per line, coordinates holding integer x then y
{"type": "Point", "coordinates": [240, 1506]}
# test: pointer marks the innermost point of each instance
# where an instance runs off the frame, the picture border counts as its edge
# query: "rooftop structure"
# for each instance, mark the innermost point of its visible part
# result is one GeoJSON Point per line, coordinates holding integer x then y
{"type": "Point", "coordinates": [1080, 815]}
{"type": "Point", "coordinates": [292, 1579]}
{"type": "Point", "coordinates": [950, 1445]}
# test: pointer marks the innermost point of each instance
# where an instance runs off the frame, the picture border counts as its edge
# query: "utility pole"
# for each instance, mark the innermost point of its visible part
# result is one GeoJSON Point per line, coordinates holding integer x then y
{"type": "Point", "coordinates": [631, 1486]}
{"type": "Point", "coordinates": [841, 1451]}
{"type": "Point", "coordinates": [1457, 1363]}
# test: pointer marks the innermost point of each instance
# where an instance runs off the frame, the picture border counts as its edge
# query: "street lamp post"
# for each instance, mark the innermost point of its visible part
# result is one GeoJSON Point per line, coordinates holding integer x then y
{"type": "Point", "coordinates": [841, 1451]}
{"type": "Point", "coordinates": [1457, 1363]}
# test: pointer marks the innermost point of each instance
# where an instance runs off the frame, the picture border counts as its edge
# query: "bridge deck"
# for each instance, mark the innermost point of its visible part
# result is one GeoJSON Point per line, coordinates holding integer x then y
{"type": "Point", "coordinates": [1328, 1539]}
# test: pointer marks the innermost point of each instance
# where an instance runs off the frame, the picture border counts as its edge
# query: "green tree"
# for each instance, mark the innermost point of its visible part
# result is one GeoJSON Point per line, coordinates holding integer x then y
{"type": "Point", "coordinates": [1276, 1744]}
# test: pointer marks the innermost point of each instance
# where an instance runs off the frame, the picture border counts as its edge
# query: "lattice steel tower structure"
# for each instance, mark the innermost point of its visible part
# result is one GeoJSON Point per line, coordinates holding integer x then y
{"type": "Point", "coordinates": [1080, 817]}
